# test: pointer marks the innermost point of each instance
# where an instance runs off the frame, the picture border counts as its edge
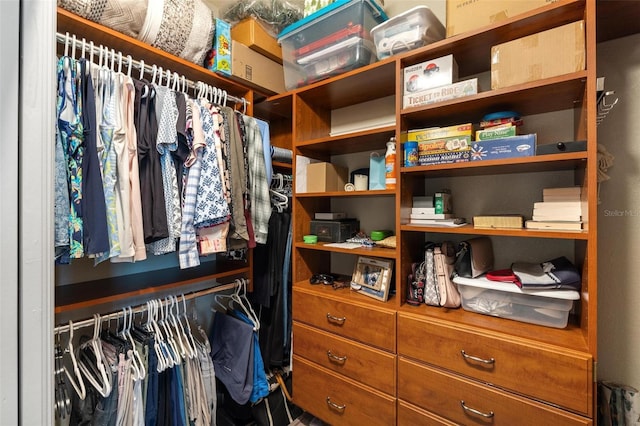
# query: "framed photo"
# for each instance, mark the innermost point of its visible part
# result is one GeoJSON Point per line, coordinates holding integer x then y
{"type": "Point", "coordinates": [372, 277]}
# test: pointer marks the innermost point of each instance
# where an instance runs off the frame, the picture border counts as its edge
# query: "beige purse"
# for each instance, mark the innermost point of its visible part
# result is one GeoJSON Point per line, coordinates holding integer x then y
{"type": "Point", "coordinates": [443, 259]}
{"type": "Point", "coordinates": [124, 16]}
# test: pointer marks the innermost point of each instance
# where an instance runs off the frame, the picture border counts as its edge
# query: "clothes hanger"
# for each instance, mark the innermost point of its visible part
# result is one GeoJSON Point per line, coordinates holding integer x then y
{"type": "Point", "coordinates": [62, 403]}
{"type": "Point", "coordinates": [175, 330]}
{"type": "Point", "coordinates": [75, 380]}
{"type": "Point", "coordinates": [243, 284]}
{"type": "Point", "coordinates": [169, 346]}
{"type": "Point", "coordinates": [164, 361]}
{"type": "Point", "coordinates": [119, 62]}
{"type": "Point", "coordinates": [192, 342]}
{"type": "Point", "coordinates": [83, 48]}
{"type": "Point", "coordinates": [171, 338]}
{"type": "Point", "coordinates": [130, 61]}
{"type": "Point", "coordinates": [91, 48]}
{"type": "Point", "coordinates": [136, 368]}
{"type": "Point", "coordinates": [73, 47]}
{"type": "Point", "coordinates": [67, 40]}
{"type": "Point", "coordinates": [141, 69]}
{"type": "Point", "coordinates": [102, 383]}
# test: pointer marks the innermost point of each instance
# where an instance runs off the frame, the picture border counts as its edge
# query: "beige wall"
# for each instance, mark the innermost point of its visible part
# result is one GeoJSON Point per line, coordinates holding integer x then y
{"type": "Point", "coordinates": [619, 217]}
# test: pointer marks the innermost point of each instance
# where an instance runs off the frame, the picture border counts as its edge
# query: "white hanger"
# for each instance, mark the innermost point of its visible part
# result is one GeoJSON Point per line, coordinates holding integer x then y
{"type": "Point", "coordinates": [168, 79]}
{"type": "Point", "coordinates": [224, 103]}
{"type": "Point", "coordinates": [159, 345]}
{"type": "Point", "coordinates": [100, 57]}
{"type": "Point", "coordinates": [184, 84]}
{"type": "Point", "coordinates": [113, 60]}
{"type": "Point", "coordinates": [179, 332]}
{"type": "Point", "coordinates": [67, 40]}
{"type": "Point", "coordinates": [83, 48]}
{"type": "Point", "coordinates": [136, 370]}
{"type": "Point", "coordinates": [104, 386]}
{"type": "Point", "coordinates": [130, 61]}
{"type": "Point", "coordinates": [243, 283]}
{"type": "Point", "coordinates": [73, 47]}
{"type": "Point", "coordinates": [141, 69]}
{"type": "Point", "coordinates": [176, 79]}
{"type": "Point", "coordinates": [119, 62]}
{"type": "Point", "coordinates": [91, 47]}
{"type": "Point", "coordinates": [177, 359]}
{"type": "Point", "coordinates": [192, 342]}
{"type": "Point", "coordinates": [76, 379]}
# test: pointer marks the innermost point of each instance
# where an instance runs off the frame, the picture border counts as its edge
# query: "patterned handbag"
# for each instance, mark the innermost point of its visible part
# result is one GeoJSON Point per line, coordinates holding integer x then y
{"type": "Point", "coordinates": [124, 16]}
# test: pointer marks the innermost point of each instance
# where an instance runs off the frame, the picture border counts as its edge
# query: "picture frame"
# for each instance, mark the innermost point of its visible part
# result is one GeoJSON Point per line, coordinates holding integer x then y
{"type": "Point", "coordinates": [372, 277]}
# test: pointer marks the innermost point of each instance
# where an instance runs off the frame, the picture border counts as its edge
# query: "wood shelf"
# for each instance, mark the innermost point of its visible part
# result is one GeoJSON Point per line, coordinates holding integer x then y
{"type": "Point", "coordinates": [387, 253]}
{"type": "Point", "coordinates": [275, 107]}
{"type": "Point", "coordinates": [506, 232]}
{"type": "Point", "coordinates": [367, 140]}
{"type": "Point", "coordinates": [546, 95]}
{"type": "Point", "coordinates": [109, 290]}
{"type": "Point", "coordinates": [372, 193]}
{"type": "Point", "coordinates": [537, 163]}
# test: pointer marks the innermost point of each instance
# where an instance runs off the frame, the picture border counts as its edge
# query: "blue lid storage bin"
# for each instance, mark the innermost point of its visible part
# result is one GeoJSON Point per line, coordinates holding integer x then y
{"type": "Point", "coordinates": [329, 42]}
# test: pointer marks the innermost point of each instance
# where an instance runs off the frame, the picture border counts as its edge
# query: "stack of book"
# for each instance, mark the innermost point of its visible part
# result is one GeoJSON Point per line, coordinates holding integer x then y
{"type": "Point", "coordinates": [434, 211]}
{"type": "Point", "coordinates": [561, 209]}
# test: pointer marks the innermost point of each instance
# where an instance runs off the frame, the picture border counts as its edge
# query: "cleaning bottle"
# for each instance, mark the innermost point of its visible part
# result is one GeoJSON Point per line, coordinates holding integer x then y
{"type": "Point", "coordinates": [390, 164]}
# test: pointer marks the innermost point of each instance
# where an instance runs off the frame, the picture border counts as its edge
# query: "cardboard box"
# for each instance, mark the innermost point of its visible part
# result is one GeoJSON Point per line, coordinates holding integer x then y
{"type": "Point", "coordinates": [451, 143]}
{"type": "Point", "coordinates": [221, 61]}
{"type": "Point", "coordinates": [325, 177]}
{"type": "Point", "coordinates": [253, 35]}
{"type": "Point", "coordinates": [465, 15]}
{"type": "Point", "coordinates": [546, 54]}
{"type": "Point", "coordinates": [445, 157]}
{"type": "Point", "coordinates": [440, 94]}
{"type": "Point", "coordinates": [421, 135]}
{"type": "Point", "coordinates": [429, 74]}
{"type": "Point", "coordinates": [496, 149]}
{"type": "Point", "coordinates": [257, 69]}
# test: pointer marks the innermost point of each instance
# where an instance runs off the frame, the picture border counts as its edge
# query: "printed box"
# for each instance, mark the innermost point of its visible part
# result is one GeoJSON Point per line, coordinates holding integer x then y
{"type": "Point", "coordinates": [434, 73]}
{"type": "Point", "coordinates": [420, 135]}
{"type": "Point", "coordinates": [455, 143]}
{"type": "Point", "coordinates": [221, 60]}
{"type": "Point", "coordinates": [495, 149]}
{"type": "Point", "coordinates": [445, 157]}
{"type": "Point", "coordinates": [496, 132]}
{"type": "Point", "coordinates": [440, 94]}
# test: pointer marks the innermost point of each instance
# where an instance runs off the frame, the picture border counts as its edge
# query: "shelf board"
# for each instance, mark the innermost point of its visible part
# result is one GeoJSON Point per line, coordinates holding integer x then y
{"type": "Point", "coordinates": [366, 140]}
{"type": "Point", "coordinates": [362, 251]}
{"type": "Point", "coordinates": [114, 289]}
{"type": "Point", "coordinates": [473, 48]}
{"type": "Point", "coordinates": [367, 83]}
{"type": "Point", "coordinates": [275, 107]}
{"type": "Point", "coordinates": [571, 337]}
{"type": "Point", "coordinates": [545, 95]}
{"type": "Point", "coordinates": [617, 18]}
{"type": "Point", "coordinates": [507, 232]}
{"type": "Point", "coordinates": [99, 34]}
{"type": "Point", "coordinates": [536, 163]}
{"type": "Point", "coordinates": [331, 194]}
{"type": "Point", "coordinates": [281, 165]}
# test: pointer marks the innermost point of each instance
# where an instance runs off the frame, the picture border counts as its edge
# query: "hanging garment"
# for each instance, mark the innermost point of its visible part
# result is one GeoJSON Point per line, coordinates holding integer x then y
{"type": "Point", "coordinates": [62, 205]}
{"type": "Point", "coordinates": [96, 237]}
{"type": "Point", "coordinates": [258, 185]}
{"type": "Point", "coordinates": [251, 242]}
{"type": "Point", "coordinates": [232, 353]}
{"type": "Point", "coordinates": [266, 148]}
{"type": "Point", "coordinates": [260, 385]}
{"type": "Point", "coordinates": [72, 138]}
{"type": "Point", "coordinates": [154, 215]}
{"type": "Point", "coordinates": [183, 137]}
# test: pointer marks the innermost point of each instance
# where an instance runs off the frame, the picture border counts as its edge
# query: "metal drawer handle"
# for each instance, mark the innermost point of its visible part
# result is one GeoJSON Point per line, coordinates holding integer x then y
{"type": "Point", "coordinates": [478, 412]}
{"type": "Point", "coordinates": [336, 319]}
{"type": "Point", "coordinates": [475, 358]}
{"type": "Point", "coordinates": [336, 357]}
{"type": "Point", "coordinates": [334, 405]}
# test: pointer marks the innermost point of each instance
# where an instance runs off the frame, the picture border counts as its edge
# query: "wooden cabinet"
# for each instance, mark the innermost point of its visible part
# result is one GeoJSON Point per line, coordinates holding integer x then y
{"type": "Point", "coordinates": [519, 372]}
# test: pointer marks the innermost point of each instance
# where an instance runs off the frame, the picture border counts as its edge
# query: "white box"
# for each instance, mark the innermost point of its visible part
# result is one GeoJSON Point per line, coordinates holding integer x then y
{"type": "Point", "coordinates": [429, 74]}
{"type": "Point", "coordinates": [441, 93]}
{"type": "Point", "coordinates": [506, 300]}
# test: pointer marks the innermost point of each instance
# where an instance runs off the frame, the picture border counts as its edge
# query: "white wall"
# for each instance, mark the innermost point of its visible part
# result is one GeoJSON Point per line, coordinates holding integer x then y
{"type": "Point", "coordinates": [619, 217]}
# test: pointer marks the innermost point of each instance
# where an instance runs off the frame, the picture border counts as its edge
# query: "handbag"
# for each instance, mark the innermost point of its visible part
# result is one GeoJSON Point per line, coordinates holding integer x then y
{"type": "Point", "coordinates": [558, 273]}
{"type": "Point", "coordinates": [444, 259]}
{"type": "Point", "coordinates": [124, 16]}
{"type": "Point", "coordinates": [377, 173]}
{"type": "Point", "coordinates": [474, 257]}
{"type": "Point", "coordinates": [415, 290]}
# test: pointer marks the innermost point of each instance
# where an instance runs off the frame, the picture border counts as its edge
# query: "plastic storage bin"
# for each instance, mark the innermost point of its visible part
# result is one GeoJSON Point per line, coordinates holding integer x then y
{"type": "Point", "coordinates": [414, 28]}
{"type": "Point", "coordinates": [333, 40]}
{"type": "Point", "coordinates": [506, 300]}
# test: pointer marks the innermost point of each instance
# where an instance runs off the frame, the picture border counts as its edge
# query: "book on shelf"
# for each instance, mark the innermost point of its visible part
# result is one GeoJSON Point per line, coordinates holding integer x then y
{"type": "Point", "coordinates": [330, 215]}
{"type": "Point", "coordinates": [568, 192]}
{"type": "Point", "coordinates": [498, 221]}
{"type": "Point", "coordinates": [423, 210]}
{"type": "Point", "coordinates": [455, 221]}
{"type": "Point", "coordinates": [421, 216]}
{"type": "Point", "coordinates": [560, 225]}
{"type": "Point", "coordinates": [442, 202]}
{"type": "Point", "coordinates": [423, 201]}
{"type": "Point", "coordinates": [556, 217]}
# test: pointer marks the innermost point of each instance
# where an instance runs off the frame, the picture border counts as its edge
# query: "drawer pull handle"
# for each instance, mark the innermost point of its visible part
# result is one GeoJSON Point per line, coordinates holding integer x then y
{"type": "Point", "coordinates": [334, 405]}
{"type": "Point", "coordinates": [476, 359]}
{"type": "Point", "coordinates": [336, 357]}
{"type": "Point", "coordinates": [477, 412]}
{"type": "Point", "coordinates": [339, 320]}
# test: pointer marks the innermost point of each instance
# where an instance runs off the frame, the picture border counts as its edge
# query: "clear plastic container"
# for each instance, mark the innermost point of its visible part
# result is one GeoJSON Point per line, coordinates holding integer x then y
{"type": "Point", "coordinates": [414, 28]}
{"type": "Point", "coordinates": [333, 40]}
{"type": "Point", "coordinates": [506, 300]}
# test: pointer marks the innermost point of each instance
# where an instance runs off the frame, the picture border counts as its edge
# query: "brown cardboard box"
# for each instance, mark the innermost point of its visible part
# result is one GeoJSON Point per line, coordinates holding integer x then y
{"type": "Point", "coordinates": [465, 15]}
{"type": "Point", "coordinates": [257, 69]}
{"type": "Point", "coordinates": [547, 54]}
{"type": "Point", "coordinates": [325, 177]}
{"type": "Point", "coordinates": [253, 35]}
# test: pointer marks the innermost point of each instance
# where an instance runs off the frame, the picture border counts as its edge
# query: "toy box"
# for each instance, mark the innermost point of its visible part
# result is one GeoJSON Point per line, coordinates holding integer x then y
{"type": "Point", "coordinates": [330, 41]}
{"type": "Point", "coordinates": [409, 30]}
{"type": "Point", "coordinates": [322, 177]}
{"type": "Point", "coordinates": [441, 94]}
{"type": "Point", "coordinates": [495, 149]}
{"type": "Point", "coordinates": [221, 55]}
{"type": "Point", "coordinates": [429, 74]}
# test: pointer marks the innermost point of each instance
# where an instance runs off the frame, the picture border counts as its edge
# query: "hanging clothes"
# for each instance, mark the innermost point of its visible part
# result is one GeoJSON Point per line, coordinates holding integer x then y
{"type": "Point", "coordinates": [258, 185]}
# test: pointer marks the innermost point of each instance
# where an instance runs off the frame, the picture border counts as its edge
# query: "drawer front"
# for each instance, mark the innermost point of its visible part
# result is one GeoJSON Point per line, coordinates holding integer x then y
{"type": "Point", "coordinates": [560, 377]}
{"type": "Point", "coordinates": [346, 357]}
{"type": "Point", "coordinates": [466, 402]}
{"type": "Point", "coordinates": [338, 400]}
{"type": "Point", "coordinates": [410, 415]}
{"type": "Point", "coordinates": [358, 322]}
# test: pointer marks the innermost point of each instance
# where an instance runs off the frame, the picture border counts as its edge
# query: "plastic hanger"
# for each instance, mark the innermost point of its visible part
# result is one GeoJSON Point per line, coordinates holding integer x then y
{"type": "Point", "coordinates": [141, 69]}
{"type": "Point", "coordinates": [102, 383]}
{"type": "Point", "coordinates": [62, 403]}
{"type": "Point", "coordinates": [91, 49]}
{"type": "Point", "coordinates": [119, 62]}
{"type": "Point", "coordinates": [179, 332]}
{"type": "Point", "coordinates": [136, 367]}
{"type": "Point", "coordinates": [188, 327]}
{"type": "Point", "coordinates": [130, 64]}
{"type": "Point", "coordinates": [73, 47]}
{"type": "Point", "coordinates": [67, 40]}
{"type": "Point", "coordinates": [164, 361]}
{"type": "Point", "coordinates": [175, 353]}
{"type": "Point", "coordinates": [75, 380]}
{"type": "Point", "coordinates": [83, 48]}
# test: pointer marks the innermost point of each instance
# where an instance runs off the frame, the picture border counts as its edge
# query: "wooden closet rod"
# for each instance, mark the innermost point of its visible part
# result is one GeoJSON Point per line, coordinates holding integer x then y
{"type": "Point", "coordinates": [89, 47]}
{"type": "Point", "coordinates": [143, 308]}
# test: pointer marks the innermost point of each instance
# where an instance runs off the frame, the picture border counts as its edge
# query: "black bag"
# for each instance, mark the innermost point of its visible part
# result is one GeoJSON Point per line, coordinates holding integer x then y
{"type": "Point", "coordinates": [474, 257]}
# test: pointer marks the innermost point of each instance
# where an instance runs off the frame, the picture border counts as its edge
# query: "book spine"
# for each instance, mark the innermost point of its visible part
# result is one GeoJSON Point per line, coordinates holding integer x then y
{"type": "Point", "coordinates": [442, 202]}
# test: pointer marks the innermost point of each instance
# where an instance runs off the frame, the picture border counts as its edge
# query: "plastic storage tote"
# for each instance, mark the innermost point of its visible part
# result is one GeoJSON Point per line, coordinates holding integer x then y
{"type": "Point", "coordinates": [335, 39]}
{"type": "Point", "coordinates": [506, 300]}
{"type": "Point", "coordinates": [414, 28]}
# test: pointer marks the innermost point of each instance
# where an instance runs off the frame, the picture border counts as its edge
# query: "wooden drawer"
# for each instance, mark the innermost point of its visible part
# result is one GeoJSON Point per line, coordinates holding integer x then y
{"type": "Point", "coordinates": [365, 324]}
{"type": "Point", "coordinates": [338, 400]}
{"type": "Point", "coordinates": [410, 415]}
{"type": "Point", "coordinates": [347, 357]}
{"type": "Point", "coordinates": [549, 373]}
{"type": "Point", "coordinates": [447, 395]}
